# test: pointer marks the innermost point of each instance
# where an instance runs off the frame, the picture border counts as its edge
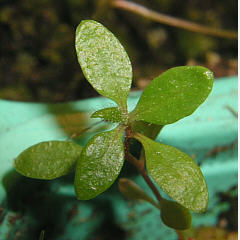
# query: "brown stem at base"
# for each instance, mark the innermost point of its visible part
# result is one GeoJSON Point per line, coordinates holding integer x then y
{"type": "Point", "coordinates": [144, 174]}
{"type": "Point", "coordinates": [180, 236]}
{"type": "Point", "coordinates": [140, 166]}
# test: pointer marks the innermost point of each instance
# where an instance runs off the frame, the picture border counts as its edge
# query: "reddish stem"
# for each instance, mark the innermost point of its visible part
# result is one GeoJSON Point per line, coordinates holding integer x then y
{"type": "Point", "coordinates": [139, 165]}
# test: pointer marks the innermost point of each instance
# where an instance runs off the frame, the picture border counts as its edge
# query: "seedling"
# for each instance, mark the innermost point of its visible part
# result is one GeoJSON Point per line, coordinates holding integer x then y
{"type": "Point", "coordinates": [170, 97]}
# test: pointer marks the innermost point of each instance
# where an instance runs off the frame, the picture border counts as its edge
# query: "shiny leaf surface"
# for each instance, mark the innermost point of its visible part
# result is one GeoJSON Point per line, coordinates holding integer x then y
{"type": "Point", "coordinates": [148, 129]}
{"type": "Point", "coordinates": [176, 173]}
{"type": "Point", "coordinates": [175, 216]}
{"type": "Point", "coordinates": [173, 95]}
{"type": "Point", "coordinates": [104, 61]}
{"type": "Point", "coordinates": [48, 160]}
{"type": "Point", "coordinates": [100, 163]}
{"type": "Point", "coordinates": [112, 114]}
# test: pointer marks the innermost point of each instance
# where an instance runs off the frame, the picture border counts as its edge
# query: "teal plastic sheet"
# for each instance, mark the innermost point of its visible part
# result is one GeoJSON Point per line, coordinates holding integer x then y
{"type": "Point", "coordinates": [209, 136]}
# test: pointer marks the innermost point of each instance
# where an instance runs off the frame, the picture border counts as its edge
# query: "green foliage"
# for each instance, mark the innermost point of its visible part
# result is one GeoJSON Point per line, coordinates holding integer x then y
{"type": "Point", "coordinates": [176, 173]}
{"type": "Point", "coordinates": [112, 114]}
{"type": "Point", "coordinates": [148, 129]}
{"type": "Point", "coordinates": [100, 163]}
{"type": "Point", "coordinates": [173, 95]}
{"type": "Point", "coordinates": [175, 215]}
{"type": "Point", "coordinates": [48, 160]}
{"type": "Point", "coordinates": [104, 61]}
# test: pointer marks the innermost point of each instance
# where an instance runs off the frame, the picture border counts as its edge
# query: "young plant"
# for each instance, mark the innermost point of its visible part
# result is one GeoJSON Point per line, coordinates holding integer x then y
{"type": "Point", "coordinates": [171, 96]}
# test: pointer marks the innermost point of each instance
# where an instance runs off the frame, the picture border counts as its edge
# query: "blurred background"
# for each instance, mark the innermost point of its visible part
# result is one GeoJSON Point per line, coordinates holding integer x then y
{"type": "Point", "coordinates": [37, 54]}
{"type": "Point", "coordinates": [38, 63]}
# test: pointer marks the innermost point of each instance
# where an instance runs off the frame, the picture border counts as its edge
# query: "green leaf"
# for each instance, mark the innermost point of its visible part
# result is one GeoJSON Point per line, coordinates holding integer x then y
{"type": "Point", "coordinates": [48, 160]}
{"type": "Point", "coordinates": [132, 191]}
{"type": "Point", "coordinates": [100, 163]}
{"type": "Point", "coordinates": [175, 215]}
{"type": "Point", "coordinates": [112, 114]}
{"type": "Point", "coordinates": [104, 61]}
{"type": "Point", "coordinates": [173, 95]}
{"type": "Point", "coordinates": [148, 129]}
{"type": "Point", "coordinates": [176, 173]}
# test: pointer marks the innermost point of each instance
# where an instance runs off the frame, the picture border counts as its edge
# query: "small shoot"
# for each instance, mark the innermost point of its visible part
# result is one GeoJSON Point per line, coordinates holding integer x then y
{"type": "Point", "coordinates": [112, 114]}
{"type": "Point", "coordinates": [171, 96]}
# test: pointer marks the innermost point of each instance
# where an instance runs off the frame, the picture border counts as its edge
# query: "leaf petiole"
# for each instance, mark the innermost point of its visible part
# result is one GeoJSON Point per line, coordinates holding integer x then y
{"type": "Point", "coordinates": [74, 135]}
{"type": "Point", "coordinates": [144, 174]}
{"type": "Point", "coordinates": [139, 165]}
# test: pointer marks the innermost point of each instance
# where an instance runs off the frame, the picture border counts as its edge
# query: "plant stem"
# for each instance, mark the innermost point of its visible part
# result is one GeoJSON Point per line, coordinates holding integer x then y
{"type": "Point", "coordinates": [172, 21]}
{"type": "Point", "coordinates": [74, 135]}
{"type": "Point", "coordinates": [140, 166]}
{"type": "Point", "coordinates": [180, 236]}
{"type": "Point", "coordinates": [144, 174]}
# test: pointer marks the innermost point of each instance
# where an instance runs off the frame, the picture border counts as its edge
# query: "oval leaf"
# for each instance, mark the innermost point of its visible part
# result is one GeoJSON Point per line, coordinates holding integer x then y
{"type": "Point", "coordinates": [104, 61]}
{"type": "Point", "coordinates": [48, 160]}
{"type": "Point", "coordinates": [173, 95]}
{"type": "Point", "coordinates": [176, 173]}
{"type": "Point", "coordinates": [148, 129]}
{"type": "Point", "coordinates": [99, 165]}
{"type": "Point", "coordinates": [175, 215]}
{"type": "Point", "coordinates": [112, 114]}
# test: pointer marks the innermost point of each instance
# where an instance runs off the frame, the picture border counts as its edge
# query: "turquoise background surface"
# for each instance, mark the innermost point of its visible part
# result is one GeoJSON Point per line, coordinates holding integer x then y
{"type": "Point", "coordinates": [24, 124]}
